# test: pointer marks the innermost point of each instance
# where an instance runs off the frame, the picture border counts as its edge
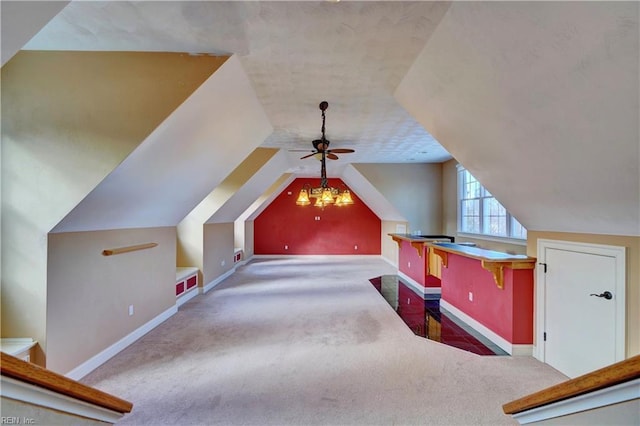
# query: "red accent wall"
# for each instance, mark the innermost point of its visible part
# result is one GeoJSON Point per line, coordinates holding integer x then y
{"type": "Point", "coordinates": [339, 230]}
{"type": "Point", "coordinates": [411, 264]}
{"type": "Point", "coordinates": [508, 312]}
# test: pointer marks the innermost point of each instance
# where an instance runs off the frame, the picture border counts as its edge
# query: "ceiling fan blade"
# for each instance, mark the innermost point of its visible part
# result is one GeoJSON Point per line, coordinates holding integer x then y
{"type": "Point", "coordinates": [307, 156]}
{"type": "Point", "coordinates": [331, 156]}
{"type": "Point", "coordinates": [342, 150]}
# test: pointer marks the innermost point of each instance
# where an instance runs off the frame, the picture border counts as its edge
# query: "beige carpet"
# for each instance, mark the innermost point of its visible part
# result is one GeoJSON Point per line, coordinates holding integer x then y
{"type": "Point", "coordinates": [300, 341]}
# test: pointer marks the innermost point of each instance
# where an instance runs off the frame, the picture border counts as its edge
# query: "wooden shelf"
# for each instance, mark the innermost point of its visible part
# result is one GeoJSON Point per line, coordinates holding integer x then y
{"type": "Point", "coordinates": [120, 250]}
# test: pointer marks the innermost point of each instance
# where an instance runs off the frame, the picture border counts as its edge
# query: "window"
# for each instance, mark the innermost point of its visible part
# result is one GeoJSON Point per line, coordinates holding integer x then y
{"type": "Point", "coordinates": [481, 213]}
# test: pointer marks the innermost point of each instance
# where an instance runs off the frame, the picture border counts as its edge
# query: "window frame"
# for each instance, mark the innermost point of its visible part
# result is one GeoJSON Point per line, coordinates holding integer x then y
{"type": "Point", "coordinates": [483, 195]}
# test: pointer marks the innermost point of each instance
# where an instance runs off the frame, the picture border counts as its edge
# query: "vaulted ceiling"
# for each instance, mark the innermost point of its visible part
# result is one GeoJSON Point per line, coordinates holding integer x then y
{"type": "Point", "coordinates": [538, 100]}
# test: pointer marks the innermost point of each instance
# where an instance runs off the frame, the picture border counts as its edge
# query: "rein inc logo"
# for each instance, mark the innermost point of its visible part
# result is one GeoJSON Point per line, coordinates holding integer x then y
{"type": "Point", "coordinates": [16, 420]}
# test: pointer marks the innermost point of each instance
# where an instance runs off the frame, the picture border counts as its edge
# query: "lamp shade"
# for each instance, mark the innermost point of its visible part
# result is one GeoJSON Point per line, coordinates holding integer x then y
{"type": "Point", "coordinates": [327, 196]}
{"type": "Point", "coordinates": [346, 197]}
{"type": "Point", "coordinates": [303, 198]}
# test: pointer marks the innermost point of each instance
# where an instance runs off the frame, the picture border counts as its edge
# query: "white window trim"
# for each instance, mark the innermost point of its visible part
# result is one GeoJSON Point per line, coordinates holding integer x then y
{"type": "Point", "coordinates": [487, 237]}
{"type": "Point", "coordinates": [495, 238]}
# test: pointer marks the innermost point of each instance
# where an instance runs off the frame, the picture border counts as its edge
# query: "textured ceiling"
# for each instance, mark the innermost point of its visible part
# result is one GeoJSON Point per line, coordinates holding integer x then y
{"type": "Point", "coordinates": [351, 54]}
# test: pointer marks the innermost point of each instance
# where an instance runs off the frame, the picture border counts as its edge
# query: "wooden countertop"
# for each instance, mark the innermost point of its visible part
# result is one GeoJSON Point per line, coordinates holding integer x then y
{"type": "Point", "coordinates": [492, 261]}
{"type": "Point", "coordinates": [480, 253]}
{"type": "Point", "coordinates": [419, 238]}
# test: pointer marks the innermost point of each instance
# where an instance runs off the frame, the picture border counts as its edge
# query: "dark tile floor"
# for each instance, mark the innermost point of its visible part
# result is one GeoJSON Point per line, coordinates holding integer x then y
{"type": "Point", "coordinates": [425, 318]}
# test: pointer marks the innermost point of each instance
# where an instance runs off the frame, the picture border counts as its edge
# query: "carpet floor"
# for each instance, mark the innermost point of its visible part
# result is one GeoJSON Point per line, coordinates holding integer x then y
{"type": "Point", "coordinates": [308, 341]}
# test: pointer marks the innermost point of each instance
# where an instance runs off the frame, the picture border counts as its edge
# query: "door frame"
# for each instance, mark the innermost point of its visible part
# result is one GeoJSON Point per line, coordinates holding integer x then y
{"type": "Point", "coordinates": [620, 290]}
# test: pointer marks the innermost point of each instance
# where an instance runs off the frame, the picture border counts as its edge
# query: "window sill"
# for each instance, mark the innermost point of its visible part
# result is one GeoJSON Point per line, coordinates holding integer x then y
{"type": "Point", "coordinates": [505, 240]}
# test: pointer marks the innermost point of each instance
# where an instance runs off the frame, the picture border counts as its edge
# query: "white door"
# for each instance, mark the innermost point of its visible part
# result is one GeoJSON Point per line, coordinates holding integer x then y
{"type": "Point", "coordinates": [582, 303]}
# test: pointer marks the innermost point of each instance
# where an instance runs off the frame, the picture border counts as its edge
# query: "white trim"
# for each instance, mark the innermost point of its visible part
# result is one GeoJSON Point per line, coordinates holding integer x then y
{"type": "Point", "coordinates": [97, 360]}
{"type": "Point", "coordinates": [242, 262]}
{"type": "Point", "coordinates": [504, 344]}
{"type": "Point", "coordinates": [495, 238]}
{"type": "Point", "coordinates": [186, 296]}
{"type": "Point", "coordinates": [417, 286]}
{"type": "Point", "coordinates": [389, 261]}
{"type": "Point", "coordinates": [618, 253]}
{"type": "Point", "coordinates": [217, 281]}
{"type": "Point", "coordinates": [35, 395]}
{"type": "Point", "coordinates": [17, 346]}
{"type": "Point", "coordinates": [316, 256]}
{"type": "Point", "coordinates": [593, 400]}
{"type": "Point", "coordinates": [481, 235]}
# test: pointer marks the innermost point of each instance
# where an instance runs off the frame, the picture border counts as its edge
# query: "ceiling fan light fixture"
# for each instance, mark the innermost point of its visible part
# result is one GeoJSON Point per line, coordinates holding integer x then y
{"type": "Point", "coordinates": [324, 194]}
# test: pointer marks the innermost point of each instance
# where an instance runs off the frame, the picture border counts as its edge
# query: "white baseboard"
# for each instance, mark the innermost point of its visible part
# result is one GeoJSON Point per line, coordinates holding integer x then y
{"type": "Point", "coordinates": [217, 281]}
{"type": "Point", "coordinates": [417, 286]}
{"type": "Point", "coordinates": [188, 295]}
{"type": "Point", "coordinates": [316, 256]}
{"type": "Point", "coordinates": [242, 262]}
{"type": "Point", "coordinates": [97, 360]}
{"type": "Point", "coordinates": [508, 347]}
{"type": "Point", "coordinates": [389, 261]}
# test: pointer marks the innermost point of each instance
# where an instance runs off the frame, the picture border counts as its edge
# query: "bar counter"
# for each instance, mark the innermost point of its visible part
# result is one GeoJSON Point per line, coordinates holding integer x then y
{"type": "Point", "coordinates": [416, 263]}
{"type": "Point", "coordinates": [492, 261]}
{"type": "Point", "coordinates": [489, 290]}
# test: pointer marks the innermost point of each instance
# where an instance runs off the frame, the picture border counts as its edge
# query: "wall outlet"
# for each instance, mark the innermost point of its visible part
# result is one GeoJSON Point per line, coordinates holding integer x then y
{"type": "Point", "coordinates": [130, 310]}
{"type": "Point", "coordinates": [408, 264]}
{"type": "Point", "coordinates": [286, 247]}
{"type": "Point", "coordinates": [470, 297]}
{"type": "Point", "coordinates": [355, 247]}
{"type": "Point", "coordinates": [408, 301]}
{"type": "Point", "coordinates": [223, 263]}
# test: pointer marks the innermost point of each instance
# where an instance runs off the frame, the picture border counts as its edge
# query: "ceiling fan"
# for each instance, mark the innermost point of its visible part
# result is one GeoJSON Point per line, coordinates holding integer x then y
{"type": "Point", "coordinates": [321, 146]}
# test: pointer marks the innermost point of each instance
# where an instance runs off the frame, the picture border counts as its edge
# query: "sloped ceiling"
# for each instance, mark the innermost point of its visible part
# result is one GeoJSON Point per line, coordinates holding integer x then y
{"type": "Point", "coordinates": [69, 119]}
{"type": "Point", "coordinates": [267, 197]}
{"type": "Point", "coordinates": [252, 188]}
{"type": "Point", "coordinates": [181, 161]}
{"type": "Point", "coordinates": [370, 195]}
{"type": "Point", "coordinates": [539, 101]}
{"type": "Point", "coordinates": [21, 20]}
{"type": "Point", "coordinates": [297, 54]}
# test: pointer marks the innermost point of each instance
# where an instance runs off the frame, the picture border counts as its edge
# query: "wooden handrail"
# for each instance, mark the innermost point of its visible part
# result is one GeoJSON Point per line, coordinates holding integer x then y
{"type": "Point", "coordinates": [120, 250]}
{"type": "Point", "coordinates": [614, 374]}
{"type": "Point", "coordinates": [27, 372]}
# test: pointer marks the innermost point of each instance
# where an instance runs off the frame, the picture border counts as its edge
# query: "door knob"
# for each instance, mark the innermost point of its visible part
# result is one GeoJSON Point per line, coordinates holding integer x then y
{"type": "Point", "coordinates": [607, 295]}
